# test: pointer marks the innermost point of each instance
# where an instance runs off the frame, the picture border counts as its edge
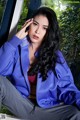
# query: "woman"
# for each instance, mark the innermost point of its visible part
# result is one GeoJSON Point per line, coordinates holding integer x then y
{"type": "Point", "coordinates": [41, 84]}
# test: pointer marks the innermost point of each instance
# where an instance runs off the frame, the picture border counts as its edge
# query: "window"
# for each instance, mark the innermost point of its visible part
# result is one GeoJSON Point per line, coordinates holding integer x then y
{"type": "Point", "coordinates": [23, 15]}
{"type": "Point", "coordinates": [2, 8]}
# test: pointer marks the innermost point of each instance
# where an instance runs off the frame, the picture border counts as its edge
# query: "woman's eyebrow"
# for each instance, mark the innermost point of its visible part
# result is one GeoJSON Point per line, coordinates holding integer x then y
{"type": "Point", "coordinates": [35, 21]}
{"type": "Point", "coordinates": [45, 26]}
{"type": "Point", "coordinates": [38, 23]}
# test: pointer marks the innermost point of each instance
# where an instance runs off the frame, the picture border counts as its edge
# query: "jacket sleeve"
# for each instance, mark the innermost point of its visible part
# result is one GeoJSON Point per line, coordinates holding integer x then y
{"type": "Point", "coordinates": [7, 54]}
{"type": "Point", "coordinates": [67, 91]}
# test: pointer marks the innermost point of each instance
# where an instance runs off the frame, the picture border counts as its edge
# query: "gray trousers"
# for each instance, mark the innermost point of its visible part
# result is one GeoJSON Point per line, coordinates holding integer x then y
{"type": "Point", "coordinates": [24, 109]}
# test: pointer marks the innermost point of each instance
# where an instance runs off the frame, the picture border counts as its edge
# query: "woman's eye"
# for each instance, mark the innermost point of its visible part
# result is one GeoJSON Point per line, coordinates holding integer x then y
{"type": "Point", "coordinates": [45, 28]}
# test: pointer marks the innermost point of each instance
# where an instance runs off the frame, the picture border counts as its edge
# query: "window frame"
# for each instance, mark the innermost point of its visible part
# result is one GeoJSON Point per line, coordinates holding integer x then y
{"type": "Point", "coordinates": [6, 20]}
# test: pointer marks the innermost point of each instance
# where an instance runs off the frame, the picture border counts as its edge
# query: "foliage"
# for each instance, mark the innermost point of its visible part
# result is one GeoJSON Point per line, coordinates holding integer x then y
{"type": "Point", "coordinates": [70, 29]}
{"type": "Point", "coordinates": [1, 11]}
{"type": "Point", "coordinates": [23, 14]}
{"type": "Point", "coordinates": [48, 3]}
{"type": "Point", "coordinates": [5, 110]}
{"type": "Point", "coordinates": [2, 4]}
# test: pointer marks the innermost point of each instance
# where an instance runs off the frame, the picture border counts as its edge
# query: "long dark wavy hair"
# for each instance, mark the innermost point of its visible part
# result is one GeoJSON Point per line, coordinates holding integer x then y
{"type": "Point", "coordinates": [47, 57]}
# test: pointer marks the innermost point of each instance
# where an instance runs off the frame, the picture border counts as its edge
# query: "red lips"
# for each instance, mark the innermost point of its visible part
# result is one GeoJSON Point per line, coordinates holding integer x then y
{"type": "Point", "coordinates": [35, 37]}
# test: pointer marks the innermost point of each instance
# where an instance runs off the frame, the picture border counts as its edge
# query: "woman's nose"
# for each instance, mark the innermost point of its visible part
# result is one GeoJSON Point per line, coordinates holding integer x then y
{"type": "Point", "coordinates": [38, 30]}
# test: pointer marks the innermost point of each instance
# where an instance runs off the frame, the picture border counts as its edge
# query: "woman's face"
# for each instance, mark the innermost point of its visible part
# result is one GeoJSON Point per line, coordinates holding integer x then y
{"type": "Point", "coordinates": [38, 29]}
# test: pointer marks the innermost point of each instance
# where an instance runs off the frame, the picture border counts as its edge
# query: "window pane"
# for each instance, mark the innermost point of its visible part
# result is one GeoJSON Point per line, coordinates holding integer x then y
{"type": "Point", "coordinates": [23, 14]}
{"type": "Point", "coordinates": [2, 8]}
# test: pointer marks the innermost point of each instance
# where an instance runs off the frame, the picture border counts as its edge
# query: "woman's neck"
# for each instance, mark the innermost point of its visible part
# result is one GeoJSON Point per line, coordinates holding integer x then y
{"type": "Point", "coordinates": [34, 47]}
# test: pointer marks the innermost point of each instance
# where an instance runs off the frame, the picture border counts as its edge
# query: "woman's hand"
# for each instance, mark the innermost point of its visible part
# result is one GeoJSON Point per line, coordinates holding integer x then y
{"type": "Point", "coordinates": [23, 33]}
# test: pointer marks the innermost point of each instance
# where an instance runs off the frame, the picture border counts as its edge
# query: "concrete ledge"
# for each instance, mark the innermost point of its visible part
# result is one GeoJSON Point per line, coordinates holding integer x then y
{"type": "Point", "coordinates": [7, 117]}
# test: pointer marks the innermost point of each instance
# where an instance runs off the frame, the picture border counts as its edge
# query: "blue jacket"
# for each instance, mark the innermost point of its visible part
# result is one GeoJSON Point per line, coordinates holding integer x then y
{"type": "Point", "coordinates": [14, 62]}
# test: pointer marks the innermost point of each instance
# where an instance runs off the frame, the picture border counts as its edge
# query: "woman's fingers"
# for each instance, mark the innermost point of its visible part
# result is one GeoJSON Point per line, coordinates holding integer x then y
{"type": "Point", "coordinates": [27, 23]}
{"type": "Point", "coordinates": [22, 33]}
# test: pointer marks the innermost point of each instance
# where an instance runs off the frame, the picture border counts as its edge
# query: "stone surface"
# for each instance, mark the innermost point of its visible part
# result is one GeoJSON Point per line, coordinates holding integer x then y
{"type": "Point", "coordinates": [7, 117]}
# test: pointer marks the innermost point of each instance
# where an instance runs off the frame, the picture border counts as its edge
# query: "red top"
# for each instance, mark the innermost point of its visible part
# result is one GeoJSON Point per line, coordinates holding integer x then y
{"type": "Point", "coordinates": [32, 79]}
